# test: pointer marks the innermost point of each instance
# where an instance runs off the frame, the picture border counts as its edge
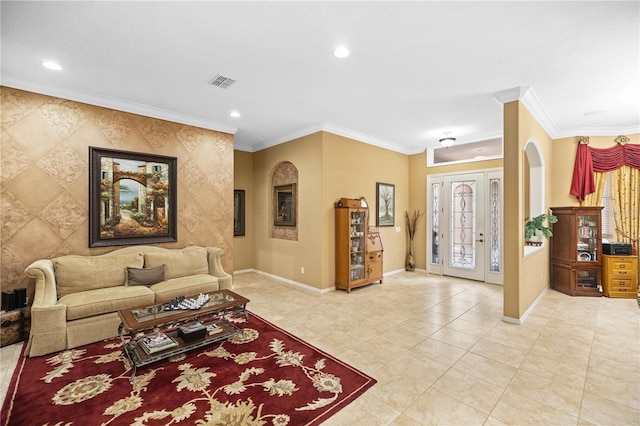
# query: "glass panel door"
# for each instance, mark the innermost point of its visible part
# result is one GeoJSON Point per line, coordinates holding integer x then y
{"type": "Point", "coordinates": [465, 237]}
{"type": "Point", "coordinates": [587, 238]}
{"type": "Point", "coordinates": [433, 218]}
{"type": "Point", "coordinates": [358, 222]}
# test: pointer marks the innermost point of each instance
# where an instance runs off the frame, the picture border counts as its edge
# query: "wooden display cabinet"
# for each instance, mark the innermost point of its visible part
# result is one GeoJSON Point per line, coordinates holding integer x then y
{"type": "Point", "coordinates": [576, 251]}
{"type": "Point", "coordinates": [620, 274]}
{"type": "Point", "coordinates": [356, 266]}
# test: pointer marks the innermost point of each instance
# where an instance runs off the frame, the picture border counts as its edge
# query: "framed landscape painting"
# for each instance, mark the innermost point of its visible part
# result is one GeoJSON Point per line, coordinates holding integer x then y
{"type": "Point", "coordinates": [385, 206]}
{"type": "Point", "coordinates": [132, 198]}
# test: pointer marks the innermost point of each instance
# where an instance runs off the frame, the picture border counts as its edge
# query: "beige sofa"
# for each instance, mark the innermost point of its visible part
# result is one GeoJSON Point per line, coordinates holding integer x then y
{"type": "Point", "coordinates": [77, 298]}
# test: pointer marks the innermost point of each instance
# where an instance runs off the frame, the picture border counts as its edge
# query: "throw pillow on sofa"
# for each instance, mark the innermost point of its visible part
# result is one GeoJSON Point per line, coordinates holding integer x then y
{"type": "Point", "coordinates": [145, 276]}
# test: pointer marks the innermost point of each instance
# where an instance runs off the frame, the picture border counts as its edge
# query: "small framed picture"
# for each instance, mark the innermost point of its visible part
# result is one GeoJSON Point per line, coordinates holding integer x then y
{"type": "Point", "coordinates": [284, 197]}
{"type": "Point", "coordinates": [385, 206]}
{"type": "Point", "coordinates": [238, 212]}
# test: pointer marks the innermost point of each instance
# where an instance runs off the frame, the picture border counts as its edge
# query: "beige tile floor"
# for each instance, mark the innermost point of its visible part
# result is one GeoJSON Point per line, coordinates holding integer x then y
{"type": "Point", "coordinates": [442, 355]}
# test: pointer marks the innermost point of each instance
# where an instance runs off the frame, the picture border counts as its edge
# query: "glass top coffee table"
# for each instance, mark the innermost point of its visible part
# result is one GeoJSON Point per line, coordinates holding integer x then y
{"type": "Point", "coordinates": [151, 333]}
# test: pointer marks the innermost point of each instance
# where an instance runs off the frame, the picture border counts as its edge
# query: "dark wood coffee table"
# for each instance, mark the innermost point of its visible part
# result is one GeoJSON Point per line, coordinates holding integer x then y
{"type": "Point", "coordinates": [144, 321]}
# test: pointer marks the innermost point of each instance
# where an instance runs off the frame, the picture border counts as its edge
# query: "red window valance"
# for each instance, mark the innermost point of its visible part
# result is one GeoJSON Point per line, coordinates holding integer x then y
{"type": "Point", "coordinates": [589, 160]}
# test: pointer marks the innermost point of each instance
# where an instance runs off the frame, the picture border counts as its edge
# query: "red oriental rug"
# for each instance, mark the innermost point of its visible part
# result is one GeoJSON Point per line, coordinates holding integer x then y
{"type": "Point", "coordinates": [264, 376]}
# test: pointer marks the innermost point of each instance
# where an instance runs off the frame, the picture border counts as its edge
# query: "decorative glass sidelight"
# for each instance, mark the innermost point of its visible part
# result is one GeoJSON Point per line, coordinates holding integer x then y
{"type": "Point", "coordinates": [495, 221]}
{"type": "Point", "coordinates": [462, 229]}
{"type": "Point", "coordinates": [435, 223]}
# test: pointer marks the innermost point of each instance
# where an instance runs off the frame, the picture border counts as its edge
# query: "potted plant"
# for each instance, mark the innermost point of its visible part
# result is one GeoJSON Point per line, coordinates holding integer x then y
{"type": "Point", "coordinates": [538, 225]}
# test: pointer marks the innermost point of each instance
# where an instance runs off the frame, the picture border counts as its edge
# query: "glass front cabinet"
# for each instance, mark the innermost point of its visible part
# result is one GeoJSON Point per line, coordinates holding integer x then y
{"type": "Point", "coordinates": [358, 257]}
{"type": "Point", "coordinates": [576, 253]}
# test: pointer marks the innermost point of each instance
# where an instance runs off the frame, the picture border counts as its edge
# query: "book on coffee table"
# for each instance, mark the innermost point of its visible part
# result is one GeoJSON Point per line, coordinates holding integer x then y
{"type": "Point", "coordinates": [213, 328]}
{"type": "Point", "coordinates": [157, 342]}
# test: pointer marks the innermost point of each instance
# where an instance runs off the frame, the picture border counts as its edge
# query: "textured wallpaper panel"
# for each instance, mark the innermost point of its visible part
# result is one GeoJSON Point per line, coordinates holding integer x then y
{"type": "Point", "coordinates": [44, 177]}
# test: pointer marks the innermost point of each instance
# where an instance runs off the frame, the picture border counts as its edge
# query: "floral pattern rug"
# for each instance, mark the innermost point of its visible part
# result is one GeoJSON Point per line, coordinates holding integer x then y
{"type": "Point", "coordinates": [263, 376]}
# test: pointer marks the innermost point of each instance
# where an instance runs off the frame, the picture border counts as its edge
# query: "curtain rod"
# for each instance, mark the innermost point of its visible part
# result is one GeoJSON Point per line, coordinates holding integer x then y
{"type": "Point", "coordinates": [622, 139]}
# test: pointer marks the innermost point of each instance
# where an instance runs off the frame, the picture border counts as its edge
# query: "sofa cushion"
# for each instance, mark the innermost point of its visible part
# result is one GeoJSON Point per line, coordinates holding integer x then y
{"type": "Point", "coordinates": [145, 276]}
{"type": "Point", "coordinates": [79, 273]}
{"type": "Point", "coordinates": [179, 263]}
{"type": "Point", "coordinates": [104, 300]}
{"type": "Point", "coordinates": [184, 286]}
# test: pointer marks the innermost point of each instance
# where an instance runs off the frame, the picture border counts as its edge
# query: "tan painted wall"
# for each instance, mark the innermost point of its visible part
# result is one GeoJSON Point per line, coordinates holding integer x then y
{"type": "Point", "coordinates": [329, 167]}
{"type": "Point", "coordinates": [243, 253]}
{"type": "Point", "coordinates": [44, 177]}
{"type": "Point", "coordinates": [282, 257]}
{"type": "Point", "coordinates": [351, 170]}
{"type": "Point", "coordinates": [513, 209]}
{"type": "Point", "coordinates": [535, 272]}
{"type": "Point", "coordinates": [564, 154]}
{"type": "Point", "coordinates": [525, 277]}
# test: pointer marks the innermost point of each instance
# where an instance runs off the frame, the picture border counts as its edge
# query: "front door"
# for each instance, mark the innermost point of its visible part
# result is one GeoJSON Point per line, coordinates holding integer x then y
{"type": "Point", "coordinates": [462, 242]}
{"type": "Point", "coordinates": [464, 225]}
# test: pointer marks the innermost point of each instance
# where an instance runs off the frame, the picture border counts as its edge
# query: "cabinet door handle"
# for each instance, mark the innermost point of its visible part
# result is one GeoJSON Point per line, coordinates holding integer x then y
{"type": "Point", "coordinates": [480, 240]}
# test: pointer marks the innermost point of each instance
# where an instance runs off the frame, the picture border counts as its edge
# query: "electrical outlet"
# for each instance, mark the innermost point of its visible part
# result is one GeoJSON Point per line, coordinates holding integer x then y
{"type": "Point", "coordinates": [397, 229]}
{"type": "Point", "coordinates": [302, 270]}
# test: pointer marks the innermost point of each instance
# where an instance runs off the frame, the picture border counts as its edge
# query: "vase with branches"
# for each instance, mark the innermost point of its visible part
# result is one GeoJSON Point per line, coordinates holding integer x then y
{"type": "Point", "coordinates": [412, 226]}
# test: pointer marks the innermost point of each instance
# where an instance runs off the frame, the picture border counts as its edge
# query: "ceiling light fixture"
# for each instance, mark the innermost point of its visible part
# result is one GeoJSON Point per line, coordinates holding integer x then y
{"type": "Point", "coordinates": [341, 52]}
{"type": "Point", "coordinates": [447, 141]}
{"type": "Point", "coordinates": [234, 114]}
{"type": "Point", "coordinates": [51, 65]}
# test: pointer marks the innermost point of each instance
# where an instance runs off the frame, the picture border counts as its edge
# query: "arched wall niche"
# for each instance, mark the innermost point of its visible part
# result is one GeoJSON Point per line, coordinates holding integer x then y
{"type": "Point", "coordinates": [533, 154]}
{"type": "Point", "coordinates": [284, 173]}
{"type": "Point", "coordinates": [534, 183]}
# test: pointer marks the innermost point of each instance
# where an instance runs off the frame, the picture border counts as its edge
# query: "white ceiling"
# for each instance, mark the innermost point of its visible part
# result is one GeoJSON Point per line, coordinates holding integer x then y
{"type": "Point", "coordinates": [416, 69]}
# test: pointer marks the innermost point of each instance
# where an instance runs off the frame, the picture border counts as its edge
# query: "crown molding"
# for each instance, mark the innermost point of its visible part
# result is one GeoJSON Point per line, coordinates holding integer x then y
{"type": "Point", "coordinates": [114, 103]}
{"type": "Point", "coordinates": [527, 96]}
{"type": "Point", "coordinates": [529, 99]}
{"type": "Point", "coordinates": [329, 128]}
{"type": "Point", "coordinates": [598, 131]}
{"type": "Point", "coordinates": [362, 137]}
{"type": "Point", "coordinates": [286, 138]}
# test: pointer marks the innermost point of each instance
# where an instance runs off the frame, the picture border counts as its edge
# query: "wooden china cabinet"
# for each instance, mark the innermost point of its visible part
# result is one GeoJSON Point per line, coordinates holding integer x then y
{"type": "Point", "coordinates": [358, 247]}
{"type": "Point", "coordinates": [576, 251]}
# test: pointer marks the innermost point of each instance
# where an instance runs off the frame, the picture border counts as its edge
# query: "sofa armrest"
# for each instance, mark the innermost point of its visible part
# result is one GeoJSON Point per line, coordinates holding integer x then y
{"type": "Point", "coordinates": [48, 318]}
{"type": "Point", "coordinates": [214, 255]}
{"type": "Point", "coordinates": [45, 288]}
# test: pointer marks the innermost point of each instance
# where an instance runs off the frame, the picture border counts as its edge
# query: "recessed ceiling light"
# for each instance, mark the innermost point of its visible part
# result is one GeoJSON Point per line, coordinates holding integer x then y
{"type": "Point", "coordinates": [341, 52]}
{"type": "Point", "coordinates": [595, 112]}
{"type": "Point", "coordinates": [51, 65]}
{"type": "Point", "coordinates": [234, 114]}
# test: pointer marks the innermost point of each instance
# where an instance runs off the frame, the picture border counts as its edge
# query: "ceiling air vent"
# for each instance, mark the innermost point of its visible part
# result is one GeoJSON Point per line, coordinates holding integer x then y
{"type": "Point", "coordinates": [222, 81]}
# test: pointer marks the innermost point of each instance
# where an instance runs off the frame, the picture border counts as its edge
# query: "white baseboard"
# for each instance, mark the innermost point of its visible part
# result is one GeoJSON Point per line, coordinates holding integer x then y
{"type": "Point", "coordinates": [286, 280]}
{"type": "Point", "coordinates": [522, 319]}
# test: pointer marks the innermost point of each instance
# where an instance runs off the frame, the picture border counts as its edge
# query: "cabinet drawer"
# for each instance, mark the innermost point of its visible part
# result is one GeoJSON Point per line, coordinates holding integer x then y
{"type": "Point", "coordinates": [622, 264]}
{"type": "Point", "coordinates": [618, 284]}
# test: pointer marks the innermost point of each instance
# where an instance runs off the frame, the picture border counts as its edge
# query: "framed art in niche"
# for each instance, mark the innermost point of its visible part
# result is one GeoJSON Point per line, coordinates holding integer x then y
{"type": "Point", "coordinates": [285, 205]}
{"type": "Point", "coordinates": [132, 198]}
